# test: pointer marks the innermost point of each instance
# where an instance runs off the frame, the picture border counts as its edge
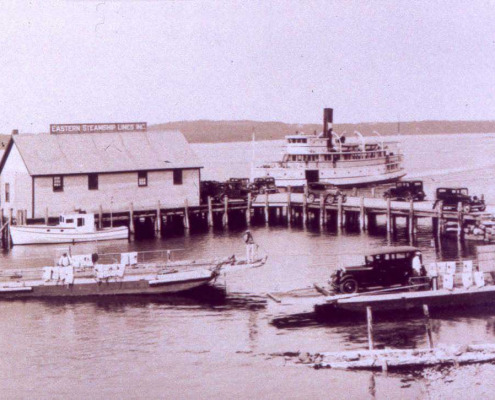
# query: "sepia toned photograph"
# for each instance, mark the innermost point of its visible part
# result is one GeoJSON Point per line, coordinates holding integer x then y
{"type": "Point", "coordinates": [247, 199]}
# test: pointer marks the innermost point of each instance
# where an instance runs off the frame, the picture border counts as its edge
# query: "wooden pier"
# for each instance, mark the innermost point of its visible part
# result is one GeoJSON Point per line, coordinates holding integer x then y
{"type": "Point", "coordinates": [289, 208]}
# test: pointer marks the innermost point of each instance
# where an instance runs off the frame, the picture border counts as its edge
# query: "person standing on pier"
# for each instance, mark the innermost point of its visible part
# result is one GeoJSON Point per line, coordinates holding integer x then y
{"type": "Point", "coordinates": [250, 246]}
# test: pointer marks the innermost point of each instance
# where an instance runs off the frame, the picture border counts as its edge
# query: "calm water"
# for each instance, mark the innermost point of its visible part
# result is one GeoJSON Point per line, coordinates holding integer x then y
{"type": "Point", "coordinates": [211, 344]}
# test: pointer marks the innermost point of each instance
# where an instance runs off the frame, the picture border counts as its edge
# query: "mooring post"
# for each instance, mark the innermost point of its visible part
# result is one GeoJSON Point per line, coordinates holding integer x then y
{"type": "Point", "coordinates": [267, 210]}
{"type": "Point", "coordinates": [225, 219]}
{"type": "Point", "coordinates": [411, 219]}
{"type": "Point", "coordinates": [362, 222]}
{"type": "Point", "coordinates": [369, 319]}
{"type": "Point", "coordinates": [322, 211]}
{"type": "Point", "coordinates": [248, 209]}
{"type": "Point", "coordinates": [158, 224]}
{"type": "Point", "coordinates": [186, 214]}
{"type": "Point", "coordinates": [289, 206]}
{"type": "Point", "coordinates": [339, 213]}
{"type": "Point", "coordinates": [305, 209]}
{"type": "Point", "coordinates": [440, 222]}
{"type": "Point", "coordinates": [131, 218]}
{"type": "Point", "coordinates": [459, 220]}
{"type": "Point", "coordinates": [210, 212]}
{"type": "Point", "coordinates": [429, 336]}
{"type": "Point", "coordinates": [389, 215]}
{"type": "Point", "coordinates": [100, 217]}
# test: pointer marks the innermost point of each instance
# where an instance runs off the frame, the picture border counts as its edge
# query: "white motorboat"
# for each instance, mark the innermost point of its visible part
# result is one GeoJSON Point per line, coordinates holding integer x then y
{"type": "Point", "coordinates": [329, 158]}
{"type": "Point", "coordinates": [71, 228]}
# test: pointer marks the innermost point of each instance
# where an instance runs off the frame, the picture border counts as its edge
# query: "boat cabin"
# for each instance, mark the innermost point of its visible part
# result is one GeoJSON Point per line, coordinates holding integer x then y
{"type": "Point", "coordinates": [81, 222]}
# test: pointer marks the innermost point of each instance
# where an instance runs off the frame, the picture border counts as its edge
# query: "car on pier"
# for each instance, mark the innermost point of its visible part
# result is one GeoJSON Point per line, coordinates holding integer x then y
{"type": "Point", "coordinates": [406, 191]}
{"type": "Point", "coordinates": [211, 189]}
{"type": "Point", "coordinates": [233, 190]}
{"type": "Point", "coordinates": [264, 185]}
{"type": "Point", "coordinates": [383, 267]}
{"type": "Point", "coordinates": [451, 197]}
{"type": "Point", "coordinates": [329, 192]}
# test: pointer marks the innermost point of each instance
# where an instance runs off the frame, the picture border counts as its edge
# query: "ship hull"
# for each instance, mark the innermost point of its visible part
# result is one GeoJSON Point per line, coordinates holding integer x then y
{"type": "Point", "coordinates": [285, 177]}
{"type": "Point", "coordinates": [25, 235]}
{"type": "Point", "coordinates": [90, 287]}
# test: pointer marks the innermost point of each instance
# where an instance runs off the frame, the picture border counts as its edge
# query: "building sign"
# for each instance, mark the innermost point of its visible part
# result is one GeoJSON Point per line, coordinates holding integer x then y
{"type": "Point", "coordinates": [99, 128]}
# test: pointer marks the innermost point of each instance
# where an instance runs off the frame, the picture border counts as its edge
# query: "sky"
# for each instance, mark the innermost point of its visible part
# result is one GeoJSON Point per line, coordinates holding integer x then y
{"type": "Point", "coordinates": [83, 61]}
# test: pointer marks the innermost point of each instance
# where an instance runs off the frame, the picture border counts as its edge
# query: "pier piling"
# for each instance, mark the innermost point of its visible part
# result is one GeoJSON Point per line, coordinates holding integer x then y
{"type": "Point", "coordinates": [210, 213]}
{"type": "Point", "coordinates": [429, 335]}
{"type": "Point", "coordinates": [369, 320]}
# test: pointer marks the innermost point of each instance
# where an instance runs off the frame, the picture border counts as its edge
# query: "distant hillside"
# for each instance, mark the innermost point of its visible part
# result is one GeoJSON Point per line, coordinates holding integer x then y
{"type": "Point", "coordinates": [234, 131]}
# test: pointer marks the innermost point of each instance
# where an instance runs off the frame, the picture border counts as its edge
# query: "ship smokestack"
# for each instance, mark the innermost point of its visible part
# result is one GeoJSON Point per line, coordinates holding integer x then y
{"type": "Point", "coordinates": [328, 125]}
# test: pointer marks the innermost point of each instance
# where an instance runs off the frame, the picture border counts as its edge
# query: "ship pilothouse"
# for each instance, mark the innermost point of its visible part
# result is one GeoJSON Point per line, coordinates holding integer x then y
{"type": "Point", "coordinates": [329, 158]}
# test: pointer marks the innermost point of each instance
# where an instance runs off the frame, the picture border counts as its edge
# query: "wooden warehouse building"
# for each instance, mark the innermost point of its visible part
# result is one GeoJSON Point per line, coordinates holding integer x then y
{"type": "Point", "coordinates": [84, 171]}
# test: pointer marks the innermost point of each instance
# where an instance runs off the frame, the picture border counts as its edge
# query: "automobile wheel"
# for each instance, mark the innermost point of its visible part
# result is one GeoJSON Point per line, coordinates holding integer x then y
{"type": "Point", "coordinates": [466, 208]}
{"type": "Point", "coordinates": [329, 199]}
{"type": "Point", "coordinates": [349, 286]}
{"type": "Point", "coordinates": [311, 198]}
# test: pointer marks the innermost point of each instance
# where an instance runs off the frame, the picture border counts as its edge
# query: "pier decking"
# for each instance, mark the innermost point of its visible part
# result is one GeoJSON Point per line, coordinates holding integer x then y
{"type": "Point", "coordinates": [292, 208]}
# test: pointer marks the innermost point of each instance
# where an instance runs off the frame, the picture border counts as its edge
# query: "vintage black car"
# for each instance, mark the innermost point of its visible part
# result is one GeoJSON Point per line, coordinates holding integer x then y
{"type": "Point", "coordinates": [384, 267]}
{"type": "Point", "coordinates": [211, 189]}
{"type": "Point", "coordinates": [264, 185]}
{"type": "Point", "coordinates": [233, 190]}
{"type": "Point", "coordinates": [451, 197]}
{"type": "Point", "coordinates": [328, 191]}
{"type": "Point", "coordinates": [406, 191]}
{"type": "Point", "coordinates": [244, 182]}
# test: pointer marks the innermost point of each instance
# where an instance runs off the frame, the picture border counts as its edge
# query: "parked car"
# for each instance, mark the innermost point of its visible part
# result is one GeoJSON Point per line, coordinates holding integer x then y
{"type": "Point", "coordinates": [264, 185]}
{"type": "Point", "coordinates": [451, 197]}
{"type": "Point", "coordinates": [328, 191]}
{"type": "Point", "coordinates": [233, 190]}
{"type": "Point", "coordinates": [211, 189]}
{"type": "Point", "coordinates": [243, 181]}
{"type": "Point", "coordinates": [383, 267]}
{"type": "Point", "coordinates": [406, 191]}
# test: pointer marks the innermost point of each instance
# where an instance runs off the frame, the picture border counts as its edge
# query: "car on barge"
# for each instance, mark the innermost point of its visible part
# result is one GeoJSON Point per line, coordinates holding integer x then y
{"type": "Point", "coordinates": [383, 267]}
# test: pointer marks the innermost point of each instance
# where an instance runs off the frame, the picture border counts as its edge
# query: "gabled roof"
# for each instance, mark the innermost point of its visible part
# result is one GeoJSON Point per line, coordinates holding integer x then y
{"type": "Point", "coordinates": [52, 154]}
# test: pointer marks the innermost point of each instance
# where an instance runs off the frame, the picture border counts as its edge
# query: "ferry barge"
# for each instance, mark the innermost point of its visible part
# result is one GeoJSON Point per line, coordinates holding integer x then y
{"type": "Point", "coordinates": [329, 158]}
{"type": "Point", "coordinates": [83, 275]}
{"type": "Point", "coordinates": [447, 284]}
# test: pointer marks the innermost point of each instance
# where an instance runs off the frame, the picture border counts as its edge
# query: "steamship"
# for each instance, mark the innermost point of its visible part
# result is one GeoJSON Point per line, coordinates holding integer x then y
{"type": "Point", "coordinates": [329, 158]}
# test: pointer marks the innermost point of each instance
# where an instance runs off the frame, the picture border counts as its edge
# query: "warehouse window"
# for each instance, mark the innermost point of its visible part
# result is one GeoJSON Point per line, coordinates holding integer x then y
{"type": "Point", "coordinates": [58, 183]}
{"type": "Point", "coordinates": [177, 177]}
{"type": "Point", "coordinates": [142, 178]}
{"type": "Point", "coordinates": [7, 192]}
{"type": "Point", "coordinates": [93, 181]}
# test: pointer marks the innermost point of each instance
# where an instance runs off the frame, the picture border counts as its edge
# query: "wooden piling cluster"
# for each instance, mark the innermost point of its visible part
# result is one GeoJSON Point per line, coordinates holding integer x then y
{"type": "Point", "coordinates": [287, 208]}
